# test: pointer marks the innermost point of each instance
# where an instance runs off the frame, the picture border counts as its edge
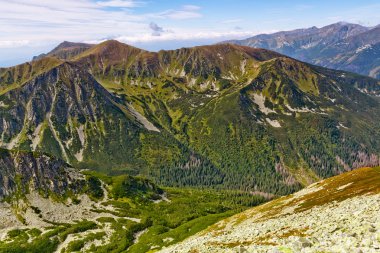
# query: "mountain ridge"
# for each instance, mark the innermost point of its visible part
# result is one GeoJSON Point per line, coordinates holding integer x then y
{"type": "Point", "coordinates": [327, 46]}
{"type": "Point", "coordinates": [173, 106]}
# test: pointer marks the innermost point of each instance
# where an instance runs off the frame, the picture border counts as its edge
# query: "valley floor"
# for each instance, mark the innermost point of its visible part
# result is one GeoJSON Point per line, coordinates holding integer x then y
{"type": "Point", "coordinates": [127, 224]}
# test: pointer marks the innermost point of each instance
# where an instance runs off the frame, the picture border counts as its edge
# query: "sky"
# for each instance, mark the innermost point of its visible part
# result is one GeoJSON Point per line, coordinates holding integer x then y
{"type": "Point", "coordinates": [32, 27]}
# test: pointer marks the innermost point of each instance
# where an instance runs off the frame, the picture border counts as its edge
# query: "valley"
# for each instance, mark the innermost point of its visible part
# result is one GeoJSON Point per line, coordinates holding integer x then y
{"type": "Point", "coordinates": [93, 212]}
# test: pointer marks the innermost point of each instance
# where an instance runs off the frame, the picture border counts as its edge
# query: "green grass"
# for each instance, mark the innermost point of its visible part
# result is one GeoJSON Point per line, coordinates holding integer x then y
{"type": "Point", "coordinates": [78, 244]}
{"type": "Point", "coordinates": [188, 212]}
{"type": "Point", "coordinates": [41, 243]}
{"type": "Point", "coordinates": [160, 236]}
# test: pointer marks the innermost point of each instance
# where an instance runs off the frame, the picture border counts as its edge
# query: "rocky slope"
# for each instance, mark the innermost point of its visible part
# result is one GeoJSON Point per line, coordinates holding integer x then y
{"type": "Point", "coordinates": [21, 172]}
{"type": "Point", "coordinates": [47, 206]}
{"type": "Point", "coordinates": [11, 78]}
{"type": "Point", "coordinates": [218, 116]}
{"type": "Point", "coordinates": [67, 113]}
{"type": "Point", "coordinates": [340, 214]}
{"type": "Point", "coordinates": [342, 46]}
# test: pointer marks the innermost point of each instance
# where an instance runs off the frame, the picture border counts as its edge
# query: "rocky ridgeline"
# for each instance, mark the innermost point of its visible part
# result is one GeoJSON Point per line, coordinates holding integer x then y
{"type": "Point", "coordinates": [345, 46]}
{"type": "Point", "coordinates": [341, 214]}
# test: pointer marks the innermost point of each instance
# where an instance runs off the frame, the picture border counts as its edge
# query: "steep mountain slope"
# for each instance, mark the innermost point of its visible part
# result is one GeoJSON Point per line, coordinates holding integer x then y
{"type": "Point", "coordinates": [338, 214]}
{"type": "Point", "coordinates": [66, 50]}
{"type": "Point", "coordinates": [259, 102]}
{"type": "Point", "coordinates": [21, 172]}
{"type": "Point", "coordinates": [342, 46]}
{"type": "Point", "coordinates": [16, 76]}
{"type": "Point", "coordinates": [221, 116]}
{"type": "Point", "coordinates": [65, 112]}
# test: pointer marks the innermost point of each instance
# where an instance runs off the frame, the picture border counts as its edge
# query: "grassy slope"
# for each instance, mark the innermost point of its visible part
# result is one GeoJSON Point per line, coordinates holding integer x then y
{"type": "Point", "coordinates": [356, 183]}
{"type": "Point", "coordinates": [13, 77]}
{"type": "Point", "coordinates": [222, 124]}
{"type": "Point", "coordinates": [347, 185]}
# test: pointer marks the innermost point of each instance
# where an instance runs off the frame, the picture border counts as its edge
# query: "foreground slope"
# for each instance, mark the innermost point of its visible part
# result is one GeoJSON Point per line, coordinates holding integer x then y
{"type": "Point", "coordinates": [345, 46]}
{"type": "Point", "coordinates": [339, 214]}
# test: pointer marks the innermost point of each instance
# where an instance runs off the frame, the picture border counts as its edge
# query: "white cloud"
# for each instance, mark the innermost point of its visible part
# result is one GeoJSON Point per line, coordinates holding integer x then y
{"type": "Point", "coordinates": [186, 12]}
{"type": "Point", "coordinates": [303, 7]}
{"type": "Point", "coordinates": [46, 22]}
{"type": "Point", "coordinates": [232, 21]}
{"type": "Point", "coordinates": [176, 35]}
{"type": "Point", "coordinates": [31, 27]}
{"type": "Point", "coordinates": [120, 3]}
{"type": "Point", "coordinates": [191, 7]}
{"type": "Point", "coordinates": [157, 30]}
{"type": "Point", "coordinates": [13, 43]}
{"type": "Point", "coordinates": [40, 21]}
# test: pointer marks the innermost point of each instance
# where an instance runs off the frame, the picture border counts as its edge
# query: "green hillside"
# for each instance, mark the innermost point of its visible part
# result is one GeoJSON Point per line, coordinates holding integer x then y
{"type": "Point", "coordinates": [223, 116]}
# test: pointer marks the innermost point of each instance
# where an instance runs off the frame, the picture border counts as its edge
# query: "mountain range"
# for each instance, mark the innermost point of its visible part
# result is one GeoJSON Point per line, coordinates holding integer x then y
{"type": "Point", "coordinates": [221, 116]}
{"type": "Point", "coordinates": [112, 148]}
{"type": "Point", "coordinates": [344, 46]}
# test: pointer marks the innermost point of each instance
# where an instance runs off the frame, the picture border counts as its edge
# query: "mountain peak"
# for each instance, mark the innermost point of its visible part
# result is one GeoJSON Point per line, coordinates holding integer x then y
{"type": "Point", "coordinates": [339, 45]}
{"type": "Point", "coordinates": [66, 44]}
{"type": "Point", "coordinates": [66, 50]}
{"type": "Point", "coordinates": [112, 49]}
{"type": "Point", "coordinates": [343, 23]}
{"type": "Point", "coordinates": [224, 51]}
{"type": "Point", "coordinates": [116, 45]}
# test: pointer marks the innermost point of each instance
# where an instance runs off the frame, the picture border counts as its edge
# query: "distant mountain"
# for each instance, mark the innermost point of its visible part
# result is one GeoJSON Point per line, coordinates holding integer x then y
{"type": "Point", "coordinates": [221, 116]}
{"type": "Point", "coordinates": [338, 214]}
{"type": "Point", "coordinates": [340, 46]}
{"type": "Point", "coordinates": [66, 50]}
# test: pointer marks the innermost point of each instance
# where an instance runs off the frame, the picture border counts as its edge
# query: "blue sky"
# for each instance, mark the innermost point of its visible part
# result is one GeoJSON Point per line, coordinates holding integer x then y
{"type": "Point", "coordinates": [31, 27]}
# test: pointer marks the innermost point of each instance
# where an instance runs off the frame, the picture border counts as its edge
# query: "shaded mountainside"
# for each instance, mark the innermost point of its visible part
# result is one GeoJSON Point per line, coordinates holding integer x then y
{"type": "Point", "coordinates": [222, 116]}
{"type": "Point", "coordinates": [344, 46]}
{"type": "Point", "coordinates": [67, 113]}
{"type": "Point", "coordinates": [22, 172]}
{"type": "Point", "coordinates": [31, 173]}
{"type": "Point", "coordinates": [338, 214]}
